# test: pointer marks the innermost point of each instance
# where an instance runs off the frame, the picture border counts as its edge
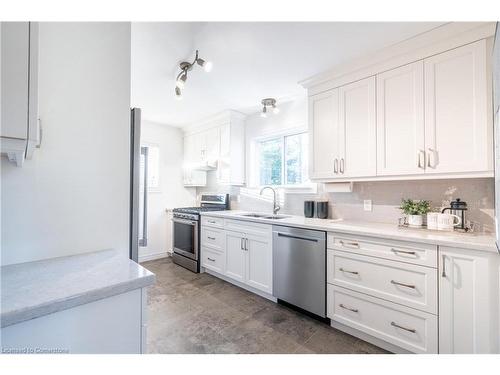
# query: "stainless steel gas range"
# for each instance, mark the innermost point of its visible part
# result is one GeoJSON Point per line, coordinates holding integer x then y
{"type": "Point", "coordinates": [186, 229]}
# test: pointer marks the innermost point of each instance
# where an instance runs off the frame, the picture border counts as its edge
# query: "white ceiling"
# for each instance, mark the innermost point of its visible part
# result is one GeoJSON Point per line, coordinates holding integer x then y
{"type": "Point", "coordinates": [251, 61]}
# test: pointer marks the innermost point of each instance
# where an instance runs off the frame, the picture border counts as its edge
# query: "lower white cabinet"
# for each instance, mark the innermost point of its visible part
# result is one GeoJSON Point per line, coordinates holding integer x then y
{"type": "Point", "coordinates": [468, 301]}
{"type": "Point", "coordinates": [244, 256]}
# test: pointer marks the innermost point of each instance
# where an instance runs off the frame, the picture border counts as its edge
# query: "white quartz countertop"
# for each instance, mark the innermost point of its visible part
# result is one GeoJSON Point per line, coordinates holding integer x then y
{"type": "Point", "coordinates": [33, 289]}
{"type": "Point", "coordinates": [474, 241]}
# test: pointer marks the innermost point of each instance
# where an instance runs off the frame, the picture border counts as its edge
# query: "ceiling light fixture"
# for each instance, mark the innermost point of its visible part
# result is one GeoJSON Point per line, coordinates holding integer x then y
{"type": "Point", "coordinates": [185, 67]}
{"type": "Point", "coordinates": [269, 102]}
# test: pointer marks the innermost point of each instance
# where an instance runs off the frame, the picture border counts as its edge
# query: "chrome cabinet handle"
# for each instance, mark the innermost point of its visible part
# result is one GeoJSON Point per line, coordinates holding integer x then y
{"type": "Point", "coordinates": [420, 153]}
{"type": "Point", "coordinates": [246, 244]}
{"type": "Point", "coordinates": [336, 165]}
{"type": "Point", "coordinates": [342, 165]}
{"type": "Point", "coordinates": [211, 238]}
{"type": "Point", "coordinates": [353, 272]}
{"type": "Point", "coordinates": [402, 284]}
{"type": "Point", "coordinates": [433, 152]}
{"type": "Point", "coordinates": [406, 329]}
{"type": "Point", "coordinates": [443, 274]}
{"type": "Point", "coordinates": [396, 251]}
{"type": "Point", "coordinates": [210, 259]}
{"type": "Point", "coordinates": [241, 244]}
{"type": "Point", "coordinates": [348, 308]}
{"type": "Point", "coordinates": [211, 221]}
{"type": "Point", "coordinates": [349, 244]}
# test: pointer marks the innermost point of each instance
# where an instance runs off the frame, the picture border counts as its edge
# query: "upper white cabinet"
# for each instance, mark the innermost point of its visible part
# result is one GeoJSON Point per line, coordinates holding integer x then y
{"type": "Point", "coordinates": [19, 90]}
{"type": "Point", "coordinates": [458, 127]}
{"type": "Point", "coordinates": [421, 113]}
{"type": "Point", "coordinates": [323, 132]}
{"type": "Point", "coordinates": [400, 121]}
{"type": "Point", "coordinates": [342, 127]}
{"type": "Point", "coordinates": [357, 130]}
{"type": "Point", "coordinates": [468, 301]}
{"type": "Point", "coordinates": [217, 144]}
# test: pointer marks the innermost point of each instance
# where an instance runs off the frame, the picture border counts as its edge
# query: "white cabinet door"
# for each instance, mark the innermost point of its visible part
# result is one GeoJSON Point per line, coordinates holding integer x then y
{"type": "Point", "coordinates": [211, 144]}
{"type": "Point", "coordinates": [15, 79]}
{"type": "Point", "coordinates": [259, 269]}
{"type": "Point", "coordinates": [323, 130]}
{"type": "Point", "coordinates": [357, 131]}
{"type": "Point", "coordinates": [468, 301]}
{"type": "Point", "coordinates": [235, 256]}
{"type": "Point", "coordinates": [458, 130]}
{"type": "Point", "coordinates": [400, 121]}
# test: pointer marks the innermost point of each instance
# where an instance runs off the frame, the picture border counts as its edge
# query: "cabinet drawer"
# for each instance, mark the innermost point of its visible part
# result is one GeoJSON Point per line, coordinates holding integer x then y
{"type": "Point", "coordinates": [212, 238]}
{"type": "Point", "coordinates": [407, 328]}
{"type": "Point", "coordinates": [407, 284]}
{"type": "Point", "coordinates": [213, 260]}
{"type": "Point", "coordinates": [248, 227]}
{"type": "Point", "coordinates": [408, 252]}
{"type": "Point", "coordinates": [212, 221]}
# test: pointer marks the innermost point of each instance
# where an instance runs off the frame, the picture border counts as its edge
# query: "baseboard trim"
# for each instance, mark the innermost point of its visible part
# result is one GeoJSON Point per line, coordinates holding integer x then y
{"type": "Point", "coordinates": [146, 258]}
{"type": "Point", "coordinates": [369, 338]}
{"type": "Point", "coordinates": [241, 285]}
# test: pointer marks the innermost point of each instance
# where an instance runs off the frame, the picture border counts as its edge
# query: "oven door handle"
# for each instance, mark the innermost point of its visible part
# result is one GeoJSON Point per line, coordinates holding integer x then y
{"type": "Point", "coordinates": [182, 221]}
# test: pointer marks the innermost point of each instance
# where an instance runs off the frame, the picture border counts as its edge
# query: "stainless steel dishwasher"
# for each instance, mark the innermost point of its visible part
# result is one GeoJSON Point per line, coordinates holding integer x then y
{"type": "Point", "coordinates": [299, 268]}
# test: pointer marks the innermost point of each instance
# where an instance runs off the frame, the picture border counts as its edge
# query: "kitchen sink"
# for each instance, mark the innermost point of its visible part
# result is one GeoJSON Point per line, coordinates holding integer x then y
{"type": "Point", "coordinates": [265, 216]}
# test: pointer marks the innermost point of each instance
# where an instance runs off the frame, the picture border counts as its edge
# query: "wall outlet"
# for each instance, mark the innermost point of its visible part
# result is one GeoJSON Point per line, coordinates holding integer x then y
{"type": "Point", "coordinates": [367, 204]}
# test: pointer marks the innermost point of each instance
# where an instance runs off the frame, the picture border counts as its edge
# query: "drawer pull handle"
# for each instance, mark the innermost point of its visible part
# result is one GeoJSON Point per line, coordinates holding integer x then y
{"type": "Point", "coordinates": [210, 259]}
{"type": "Point", "coordinates": [349, 244]}
{"type": "Point", "coordinates": [406, 329]}
{"type": "Point", "coordinates": [402, 284]}
{"type": "Point", "coordinates": [211, 221]}
{"type": "Point", "coordinates": [211, 238]}
{"type": "Point", "coordinates": [396, 251]}
{"type": "Point", "coordinates": [353, 272]}
{"type": "Point", "coordinates": [348, 308]}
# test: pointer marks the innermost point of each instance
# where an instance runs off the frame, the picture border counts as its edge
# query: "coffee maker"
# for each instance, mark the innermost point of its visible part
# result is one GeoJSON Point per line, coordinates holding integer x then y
{"type": "Point", "coordinates": [458, 207]}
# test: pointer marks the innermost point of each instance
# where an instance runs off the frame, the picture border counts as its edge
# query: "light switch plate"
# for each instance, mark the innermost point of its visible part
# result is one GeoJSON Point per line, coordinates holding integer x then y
{"type": "Point", "coordinates": [367, 204]}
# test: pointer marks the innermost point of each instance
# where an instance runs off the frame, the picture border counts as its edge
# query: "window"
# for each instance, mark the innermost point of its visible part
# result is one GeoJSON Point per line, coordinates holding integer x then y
{"type": "Point", "coordinates": [283, 160]}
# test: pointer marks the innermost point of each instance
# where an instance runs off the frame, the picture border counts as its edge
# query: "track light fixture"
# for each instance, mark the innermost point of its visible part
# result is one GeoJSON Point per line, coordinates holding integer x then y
{"type": "Point", "coordinates": [269, 102]}
{"type": "Point", "coordinates": [185, 67]}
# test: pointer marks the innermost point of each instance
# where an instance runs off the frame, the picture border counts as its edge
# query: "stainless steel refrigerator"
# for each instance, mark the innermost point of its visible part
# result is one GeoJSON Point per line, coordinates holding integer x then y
{"type": "Point", "coordinates": [496, 114]}
{"type": "Point", "coordinates": [138, 187]}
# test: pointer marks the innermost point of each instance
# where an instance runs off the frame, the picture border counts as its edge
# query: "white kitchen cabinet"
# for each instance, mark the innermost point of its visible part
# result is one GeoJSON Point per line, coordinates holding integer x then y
{"type": "Point", "coordinates": [343, 129]}
{"type": "Point", "coordinates": [202, 149]}
{"type": "Point", "coordinates": [468, 301]}
{"type": "Point", "coordinates": [458, 121]}
{"type": "Point", "coordinates": [19, 90]}
{"type": "Point", "coordinates": [194, 177]}
{"type": "Point", "coordinates": [235, 256]}
{"type": "Point", "coordinates": [231, 162]}
{"type": "Point", "coordinates": [357, 131]}
{"type": "Point", "coordinates": [259, 263]}
{"type": "Point", "coordinates": [323, 133]}
{"type": "Point", "coordinates": [400, 121]}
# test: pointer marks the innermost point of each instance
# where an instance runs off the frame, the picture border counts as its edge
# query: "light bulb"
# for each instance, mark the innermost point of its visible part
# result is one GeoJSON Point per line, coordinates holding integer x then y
{"type": "Point", "coordinates": [276, 110]}
{"type": "Point", "coordinates": [207, 66]}
{"type": "Point", "coordinates": [263, 114]}
{"type": "Point", "coordinates": [178, 93]}
{"type": "Point", "coordinates": [181, 81]}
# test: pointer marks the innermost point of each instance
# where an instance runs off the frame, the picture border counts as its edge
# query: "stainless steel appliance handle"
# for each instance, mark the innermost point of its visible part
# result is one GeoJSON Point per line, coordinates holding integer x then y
{"type": "Point", "coordinates": [403, 252]}
{"type": "Point", "coordinates": [348, 308]}
{"type": "Point", "coordinates": [297, 237]}
{"type": "Point", "coordinates": [183, 221]}
{"type": "Point", "coordinates": [353, 272]}
{"type": "Point", "coordinates": [406, 329]}
{"type": "Point", "coordinates": [144, 240]}
{"type": "Point", "coordinates": [403, 284]}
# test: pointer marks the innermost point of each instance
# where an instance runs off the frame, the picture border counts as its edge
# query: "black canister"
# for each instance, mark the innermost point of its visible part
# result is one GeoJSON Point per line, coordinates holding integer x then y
{"type": "Point", "coordinates": [309, 208]}
{"type": "Point", "coordinates": [321, 210]}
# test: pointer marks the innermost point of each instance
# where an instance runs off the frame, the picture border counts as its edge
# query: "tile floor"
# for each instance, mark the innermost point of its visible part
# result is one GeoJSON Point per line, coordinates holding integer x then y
{"type": "Point", "coordinates": [199, 313]}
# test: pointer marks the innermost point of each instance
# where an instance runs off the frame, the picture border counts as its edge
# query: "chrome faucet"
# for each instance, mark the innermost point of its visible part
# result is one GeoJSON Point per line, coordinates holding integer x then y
{"type": "Point", "coordinates": [276, 207]}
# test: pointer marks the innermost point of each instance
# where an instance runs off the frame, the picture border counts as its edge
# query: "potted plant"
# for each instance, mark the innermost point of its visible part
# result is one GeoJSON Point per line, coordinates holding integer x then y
{"type": "Point", "coordinates": [415, 210]}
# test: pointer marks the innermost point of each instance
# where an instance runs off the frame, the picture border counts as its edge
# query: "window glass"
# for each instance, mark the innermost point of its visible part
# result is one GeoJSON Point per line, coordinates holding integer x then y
{"type": "Point", "coordinates": [271, 162]}
{"type": "Point", "coordinates": [295, 159]}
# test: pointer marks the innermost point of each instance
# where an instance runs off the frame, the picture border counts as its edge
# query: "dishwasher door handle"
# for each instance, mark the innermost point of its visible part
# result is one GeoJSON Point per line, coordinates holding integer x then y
{"type": "Point", "coordinates": [297, 237]}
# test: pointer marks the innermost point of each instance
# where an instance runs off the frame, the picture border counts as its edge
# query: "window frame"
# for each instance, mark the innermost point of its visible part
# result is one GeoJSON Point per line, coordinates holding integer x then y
{"type": "Point", "coordinates": [305, 186]}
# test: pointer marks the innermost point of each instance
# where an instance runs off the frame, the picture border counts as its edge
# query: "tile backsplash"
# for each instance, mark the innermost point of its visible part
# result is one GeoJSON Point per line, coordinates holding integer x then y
{"type": "Point", "coordinates": [385, 196]}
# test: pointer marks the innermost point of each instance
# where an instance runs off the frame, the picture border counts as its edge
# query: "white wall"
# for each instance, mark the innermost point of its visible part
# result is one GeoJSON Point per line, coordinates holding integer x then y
{"type": "Point", "coordinates": [171, 192]}
{"type": "Point", "coordinates": [73, 196]}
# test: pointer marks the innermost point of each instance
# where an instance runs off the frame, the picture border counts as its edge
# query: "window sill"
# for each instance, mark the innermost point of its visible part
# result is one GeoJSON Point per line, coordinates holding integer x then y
{"type": "Point", "coordinates": [288, 189]}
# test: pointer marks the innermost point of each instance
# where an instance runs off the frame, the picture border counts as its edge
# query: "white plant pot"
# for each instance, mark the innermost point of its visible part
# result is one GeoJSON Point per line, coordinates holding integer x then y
{"type": "Point", "coordinates": [415, 220]}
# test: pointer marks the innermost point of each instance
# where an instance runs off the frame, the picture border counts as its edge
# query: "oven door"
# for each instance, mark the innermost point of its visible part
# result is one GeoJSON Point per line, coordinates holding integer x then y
{"type": "Point", "coordinates": [185, 237]}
